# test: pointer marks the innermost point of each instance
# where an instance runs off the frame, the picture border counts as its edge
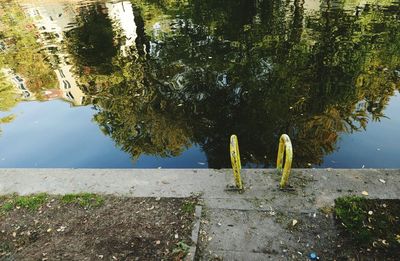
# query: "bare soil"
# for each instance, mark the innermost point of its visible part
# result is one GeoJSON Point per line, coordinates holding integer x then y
{"type": "Point", "coordinates": [326, 235]}
{"type": "Point", "coordinates": [117, 229]}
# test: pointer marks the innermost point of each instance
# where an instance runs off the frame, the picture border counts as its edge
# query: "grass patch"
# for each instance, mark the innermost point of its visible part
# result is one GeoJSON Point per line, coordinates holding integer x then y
{"type": "Point", "coordinates": [85, 200]}
{"type": "Point", "coordinates": [370, 222]}
{"type": "Point", "coordinates": [31, 202]}
{"type": "Point", "coordinates": [181, 250]}
{"type": "Point", "coordinates": [188, 207]}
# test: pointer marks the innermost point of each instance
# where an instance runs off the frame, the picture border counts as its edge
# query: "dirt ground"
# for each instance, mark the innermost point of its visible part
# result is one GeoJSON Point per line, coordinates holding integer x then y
{"type": "Point", "coordinates": [97, 228]}
{"type": "Point", "coordinates": [331, 239]}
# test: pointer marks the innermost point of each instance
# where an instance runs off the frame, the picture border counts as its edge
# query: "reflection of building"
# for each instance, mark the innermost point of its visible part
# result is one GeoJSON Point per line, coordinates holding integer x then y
{"type": "Point", "coordinates": [52, 20]}
{"type": "Point", "coordinates": [69, 86]}
{"type": "Point", "coordinates": [121, 13]}
{"type": "Point", "coordinates": [19, 83]}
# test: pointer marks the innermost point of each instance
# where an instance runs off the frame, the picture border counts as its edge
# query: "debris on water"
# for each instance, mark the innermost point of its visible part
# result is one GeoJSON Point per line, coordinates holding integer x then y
{"type": "Point", "coordinates": [313, 256]}
{"type": "Point", "coordinates": [201, 163]}
{"type": "Point", "coordinates": [363, 166]}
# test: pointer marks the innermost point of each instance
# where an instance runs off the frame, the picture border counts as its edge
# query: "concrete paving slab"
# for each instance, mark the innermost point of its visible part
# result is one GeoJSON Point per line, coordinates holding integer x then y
{"type": "Point", "coordinates": [322, 184]}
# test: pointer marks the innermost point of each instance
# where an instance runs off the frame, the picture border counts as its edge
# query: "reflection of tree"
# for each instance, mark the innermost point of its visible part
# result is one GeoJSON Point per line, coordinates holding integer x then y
{"type": "Point", "coordinates": [253, 68]}
{"type": "Point", "coordinates": [8, 99]}
{"type": "Point", "coordinates": [130, 112]}
{"type": "Point", "coordinates": [137, 119]}
{"type": "Point", "coordinates": [92, 41]}
{"type": "Point", "coordinates": [23, 53]}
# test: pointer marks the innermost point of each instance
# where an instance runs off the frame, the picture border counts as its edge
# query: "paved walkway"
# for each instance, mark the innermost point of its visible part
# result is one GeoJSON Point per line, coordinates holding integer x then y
{"type": "Point", "coordinates": [235, 226]}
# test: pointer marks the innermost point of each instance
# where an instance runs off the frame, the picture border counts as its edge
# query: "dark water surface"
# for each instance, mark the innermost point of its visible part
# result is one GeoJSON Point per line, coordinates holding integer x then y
{"type": "Point", "coordinates": [146, 83]}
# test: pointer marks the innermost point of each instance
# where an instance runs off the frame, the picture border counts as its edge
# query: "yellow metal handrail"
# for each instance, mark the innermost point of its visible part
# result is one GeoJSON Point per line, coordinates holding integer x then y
{"type": "Point", "coordinates": [235, 160]}
{"type": "Point", "coordinates": [285, 149]}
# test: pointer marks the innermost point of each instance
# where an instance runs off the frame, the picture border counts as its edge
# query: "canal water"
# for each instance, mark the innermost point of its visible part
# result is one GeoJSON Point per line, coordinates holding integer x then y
{"type": "Point", "coordinates": [163, 84]}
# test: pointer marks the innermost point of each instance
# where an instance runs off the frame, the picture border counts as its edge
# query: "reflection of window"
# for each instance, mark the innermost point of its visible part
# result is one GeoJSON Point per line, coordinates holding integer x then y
{"type": "Point", "coordinates": [70, 96]}
{"type": "Point", "coordinates": [26, 94]}
{"type": "Point", "coordinates": [61, 73]}
{"type": "Point", "coordinates": [67, 85]}
{"type": "Point", "coordinates": [22, 86]}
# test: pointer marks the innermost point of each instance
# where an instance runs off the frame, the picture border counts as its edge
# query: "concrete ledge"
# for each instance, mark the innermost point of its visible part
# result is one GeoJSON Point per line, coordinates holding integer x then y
{"type": "Point", "coordinates": [319, 186]}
